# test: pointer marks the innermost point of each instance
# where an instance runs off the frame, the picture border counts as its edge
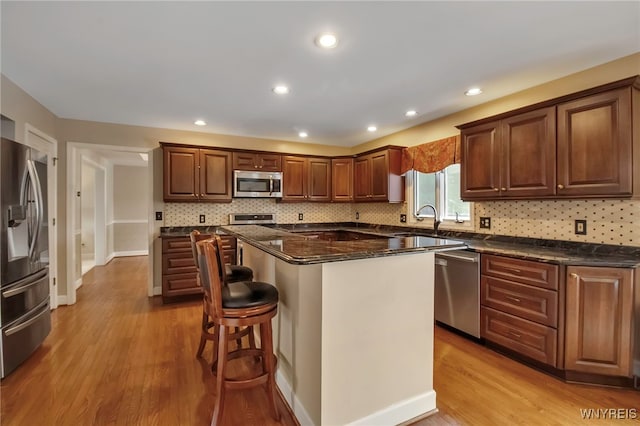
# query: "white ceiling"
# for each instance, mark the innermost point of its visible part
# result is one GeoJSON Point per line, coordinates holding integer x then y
{"type": "Point", "coordinates": [165, 64]}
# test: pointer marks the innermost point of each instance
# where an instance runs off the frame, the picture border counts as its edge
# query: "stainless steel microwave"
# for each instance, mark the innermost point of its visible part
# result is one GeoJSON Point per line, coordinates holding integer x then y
{"type": "Point", "coordinates": [257, 184]}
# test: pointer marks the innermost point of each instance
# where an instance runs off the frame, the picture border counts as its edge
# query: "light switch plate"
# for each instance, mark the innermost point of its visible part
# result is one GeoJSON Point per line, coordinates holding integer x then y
{"type": "Point", "coordinates": [580, 227]}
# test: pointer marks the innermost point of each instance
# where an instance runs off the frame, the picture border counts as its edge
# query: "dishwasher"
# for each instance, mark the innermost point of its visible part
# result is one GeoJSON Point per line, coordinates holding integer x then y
{"type": "Point", "coordinates": [457, 290]}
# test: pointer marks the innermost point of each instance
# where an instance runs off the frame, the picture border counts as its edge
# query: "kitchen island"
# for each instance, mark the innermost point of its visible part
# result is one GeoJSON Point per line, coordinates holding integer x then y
{"type": "Point", "coordinates": [354, 330]}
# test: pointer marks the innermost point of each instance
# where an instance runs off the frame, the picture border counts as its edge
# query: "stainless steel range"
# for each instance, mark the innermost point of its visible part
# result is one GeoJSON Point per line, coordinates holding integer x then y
{"type": "Point", "coordinates": [249, 219]}
{"type": "Point", "coordinates": [252, 218]}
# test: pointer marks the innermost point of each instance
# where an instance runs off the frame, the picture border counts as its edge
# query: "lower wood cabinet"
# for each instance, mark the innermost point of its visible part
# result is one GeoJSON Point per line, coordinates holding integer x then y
{"type": "Point", "coordinates": [526, 337]}
{"type": "Point", "coordinates": [520, 307]}
{"type": "Point", "coordinates": [179, 274]}
{"type": "Point", "coordinates": [599, 317]}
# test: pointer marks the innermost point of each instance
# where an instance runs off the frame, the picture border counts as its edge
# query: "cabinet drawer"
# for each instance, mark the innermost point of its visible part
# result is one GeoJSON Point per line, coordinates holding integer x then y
{"type": "Point", "coordinates": [529, 272]}
{"type": "Point", "coordinates": [228, 242]}
{"type": "Point", "coordinates": [178, 263]}
{"type": "Point", "coordinates": [229, 257]}
{"type": "Point", "coordinates": [526, 337]}
{"type": "Point", "coordinates": [176, 245]}
{"type": "Point", "coordinates": [180, 285]}
{"type": "Point", "coordinates": [533, 303]}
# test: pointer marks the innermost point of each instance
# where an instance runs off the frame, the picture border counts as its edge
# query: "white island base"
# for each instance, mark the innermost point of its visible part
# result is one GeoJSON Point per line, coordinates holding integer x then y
{"type": "Point", "coordinates": [354, 338]}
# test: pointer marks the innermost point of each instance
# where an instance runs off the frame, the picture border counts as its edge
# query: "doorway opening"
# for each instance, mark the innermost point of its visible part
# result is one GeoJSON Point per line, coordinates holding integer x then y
{"type": "Point", "coordinates": [109, 203]}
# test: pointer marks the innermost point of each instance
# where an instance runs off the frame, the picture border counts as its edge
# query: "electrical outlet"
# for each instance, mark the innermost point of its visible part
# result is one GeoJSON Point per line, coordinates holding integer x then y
{"type": "Point", "coordinates": [485, 222]}
{"type": "Point", "coordinates": [580, 227]}
{"type": "Point", "coordinates": [201, 218]}
{"type": "Point", "coordinates": [357, 215]}
{"type": "Point", "coordinates": [403, 218]}
{"type": "Point", "coordinates": [300, 216]}
{"type": "Point", "coordinates": [158, 215]}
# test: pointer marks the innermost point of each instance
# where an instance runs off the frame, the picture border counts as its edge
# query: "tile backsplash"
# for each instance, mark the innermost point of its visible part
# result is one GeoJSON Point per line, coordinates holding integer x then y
{"type": "Point", "coordinates": [608, 221]}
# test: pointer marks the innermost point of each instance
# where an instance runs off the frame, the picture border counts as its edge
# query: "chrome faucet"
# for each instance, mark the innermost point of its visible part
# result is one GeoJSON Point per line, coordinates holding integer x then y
{"type": "Point", "coordinates": [436, 219]}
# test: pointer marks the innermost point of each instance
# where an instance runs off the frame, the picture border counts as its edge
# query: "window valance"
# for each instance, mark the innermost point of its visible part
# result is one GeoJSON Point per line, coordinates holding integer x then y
{"type": "Point", "coordinates": [431, 157]}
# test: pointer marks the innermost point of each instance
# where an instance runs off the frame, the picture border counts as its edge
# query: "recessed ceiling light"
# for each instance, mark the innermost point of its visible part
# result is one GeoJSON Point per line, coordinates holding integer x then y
{"type": "Point", "coordinates": [200, 123]}
{"type": "Point", "coordinates": [303, 134]}
{"type": "Point", "coordinates": [473, 91]}
{"type": "Point", "coordinates": [280, 89]}
{"type": "Point", "coordinates": [372, 128]}
{"type": "Point", "coordinates": [327, 41]}
{"type": "Point", "coordinates": [411, 113]}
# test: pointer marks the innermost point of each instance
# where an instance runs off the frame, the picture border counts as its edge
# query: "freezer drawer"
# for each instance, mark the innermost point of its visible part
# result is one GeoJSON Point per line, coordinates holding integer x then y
{"type": "Point", "coordinates": [21, 338]}
{"type": "Point", "coordinates": [24, 295]}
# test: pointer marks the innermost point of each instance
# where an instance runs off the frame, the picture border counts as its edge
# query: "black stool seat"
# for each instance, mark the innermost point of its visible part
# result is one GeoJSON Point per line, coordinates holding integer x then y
{"type": "Point", "coordinates": [248, 294]}
{"type": "Point", "coordinates": [238, 273]}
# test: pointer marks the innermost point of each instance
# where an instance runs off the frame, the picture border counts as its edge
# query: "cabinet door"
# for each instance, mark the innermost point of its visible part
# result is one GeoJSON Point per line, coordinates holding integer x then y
{"type": "Point", "coordinates": [599, 309]}
{"type": "Point", "coordinates": [480, 161]}
{"type": "Point", "coordinates": [215, 175]}
{"type": "Point", "coordinates": [362, 178]}
{"type": "Point", "coordinates": [294, 176]}
{"type": "Point", "coordinates": [181, 181]}
{"type": "Point", "coordinates": [244, 160]}
{"type": "Point", "coordinates": [379, 176]}
{"type": "Point", "coordinates": [342, 179]}
{"type": "Point", "coordinates": [319, 179]}
{"type": "Point", "coordinates": [529, 154]}
{"type": "Point", "coordinates": [594, 145]}
{"type": "Point", "coordinates": [269, 162]}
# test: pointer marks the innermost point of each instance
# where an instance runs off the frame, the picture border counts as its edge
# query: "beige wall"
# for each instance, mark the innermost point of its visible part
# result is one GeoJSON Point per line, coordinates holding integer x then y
{"type": "Point", "coordinates": [130, 210]}
{"type": "Point", "coordinates": [22, 108]}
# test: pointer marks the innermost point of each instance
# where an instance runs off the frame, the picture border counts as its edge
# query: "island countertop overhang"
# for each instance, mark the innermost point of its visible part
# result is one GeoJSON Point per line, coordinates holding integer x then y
{"type": "Point", "coordinates": [297, 249]}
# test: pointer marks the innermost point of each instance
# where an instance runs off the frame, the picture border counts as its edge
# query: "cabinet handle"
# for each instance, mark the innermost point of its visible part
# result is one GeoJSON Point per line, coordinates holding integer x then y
{"type": "Point", "coordinates": [515, 299]}
{"type": "Point", "coordinates": [496, 189]}
{"type": "Point", "coordinates": [517, 271]}
{"type": "Point", "coordinates": [514, 334]}
{"type": "Point", "coordinates": [503, 189]}
{"type": "Point", "coordinates": [560, 186]}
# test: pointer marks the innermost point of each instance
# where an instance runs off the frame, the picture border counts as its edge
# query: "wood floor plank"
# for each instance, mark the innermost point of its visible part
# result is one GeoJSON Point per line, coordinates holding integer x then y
{"type": "Point", "coordinates": [117, 357]}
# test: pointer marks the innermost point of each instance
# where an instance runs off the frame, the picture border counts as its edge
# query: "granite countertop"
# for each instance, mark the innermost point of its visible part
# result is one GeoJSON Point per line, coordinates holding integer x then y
{"type": "Point", "coordinates": [552, 251]}
{"type": "Point", "coordinates": [303, 250]}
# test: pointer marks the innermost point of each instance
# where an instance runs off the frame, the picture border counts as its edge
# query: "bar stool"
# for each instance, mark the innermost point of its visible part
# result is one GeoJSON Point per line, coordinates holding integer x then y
{"type": "Point", "coordinates": [238, 304]}
{"type": "Point", "coordinates": [232, 273]}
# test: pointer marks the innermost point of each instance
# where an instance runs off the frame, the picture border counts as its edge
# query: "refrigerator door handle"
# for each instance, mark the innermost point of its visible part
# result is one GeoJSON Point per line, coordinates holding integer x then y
{"type": "Point", "coordinates": [30, 321]}
{"type": "Point", "coordinates": [24, 284]}
{"type": "Point", "coordinates": [37, 191]}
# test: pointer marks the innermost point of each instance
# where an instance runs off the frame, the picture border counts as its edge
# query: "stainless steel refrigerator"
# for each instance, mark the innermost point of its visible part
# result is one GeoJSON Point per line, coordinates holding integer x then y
{"type": "Point", "coordinates": [25, 318]}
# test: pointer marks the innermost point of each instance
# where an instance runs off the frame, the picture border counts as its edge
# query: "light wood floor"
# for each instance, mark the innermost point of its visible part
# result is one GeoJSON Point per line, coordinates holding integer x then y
{"type": "Point", "coordinates": [120, 358]}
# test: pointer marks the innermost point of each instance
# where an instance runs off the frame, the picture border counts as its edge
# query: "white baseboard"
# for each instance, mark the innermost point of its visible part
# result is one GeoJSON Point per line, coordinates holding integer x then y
{"type": "Point", "coordinates": [109, 258]}
{"type": "Point", "coordinates": [78, 283]}
{"type": "Point", "coordinates": [298, 409]}
{"type": "Point", "coordinates": [401, 411]}
{"type": "Point", "coordinates": [157, 291]}
{"type": "Point", "coordinates": [130, 253]}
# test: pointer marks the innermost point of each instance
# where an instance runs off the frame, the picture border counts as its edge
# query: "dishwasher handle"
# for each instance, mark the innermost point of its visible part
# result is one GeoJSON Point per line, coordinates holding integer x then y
{"type": "Point", "coordinates": [473, 259]}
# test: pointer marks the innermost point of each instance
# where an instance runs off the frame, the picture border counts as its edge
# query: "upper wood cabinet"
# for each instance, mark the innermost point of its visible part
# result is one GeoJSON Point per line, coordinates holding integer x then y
{"type": "Point", "coordinates": [377, 176]}
{"type": "Point", "coordinates": [265, 162]}
{"type": "Point", "coordinates": [196, 174]}
{"type": "Point", "coordinates": [342, 179]}
{"type": "Point", "coordinates": [599, 314]}
{"type": "Point", "coordinates": [513, 157]}
{"type": "Point", "coordinates": [306, 179]}
{"type": "Point", "coordinates": [577, 146]}
{"type": "Point", "coordinates": [594, 145]}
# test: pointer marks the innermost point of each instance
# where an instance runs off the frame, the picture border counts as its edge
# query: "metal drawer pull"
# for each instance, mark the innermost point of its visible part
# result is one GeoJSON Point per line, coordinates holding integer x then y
{"type": "Point", "coordinates": [515, 299]}
{"type": "Point", "coordinates": [517, 271]}
{"type": "Point", "coordinates": [514, 334]}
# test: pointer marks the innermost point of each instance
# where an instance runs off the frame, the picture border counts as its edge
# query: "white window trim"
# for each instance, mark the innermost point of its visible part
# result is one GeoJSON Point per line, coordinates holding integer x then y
{"type": "Point", "coordinates": [446, 223]}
